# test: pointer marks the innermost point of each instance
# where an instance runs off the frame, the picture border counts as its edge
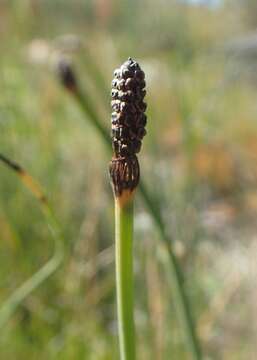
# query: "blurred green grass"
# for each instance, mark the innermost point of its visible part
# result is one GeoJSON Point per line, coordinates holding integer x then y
{"type": "Point", "coordinates": [200, 150]}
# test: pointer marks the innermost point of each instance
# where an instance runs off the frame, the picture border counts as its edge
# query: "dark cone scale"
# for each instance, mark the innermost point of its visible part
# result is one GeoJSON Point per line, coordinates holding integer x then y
{"type": "Point", "coordinates": [124, 172]}
{"type": "Point", "coordinates": [128, 125]}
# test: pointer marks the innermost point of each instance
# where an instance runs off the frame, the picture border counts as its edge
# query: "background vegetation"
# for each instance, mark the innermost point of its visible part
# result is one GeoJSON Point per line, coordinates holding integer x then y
{"type": "Point", "coordinates": [199, 159]}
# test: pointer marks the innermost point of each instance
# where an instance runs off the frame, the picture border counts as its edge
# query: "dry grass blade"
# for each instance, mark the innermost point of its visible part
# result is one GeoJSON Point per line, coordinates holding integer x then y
{"type": "Point", "coordinates": [17, 297]}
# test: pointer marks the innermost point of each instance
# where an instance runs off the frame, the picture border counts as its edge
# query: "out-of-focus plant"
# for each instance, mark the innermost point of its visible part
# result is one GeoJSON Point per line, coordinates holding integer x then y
{"type": "Point", "coordinates": [22, 292]}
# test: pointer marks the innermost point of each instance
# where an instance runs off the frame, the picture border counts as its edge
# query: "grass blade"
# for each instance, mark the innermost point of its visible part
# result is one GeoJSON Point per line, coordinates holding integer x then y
{"type": "Point", "coordinates": [18, 296]}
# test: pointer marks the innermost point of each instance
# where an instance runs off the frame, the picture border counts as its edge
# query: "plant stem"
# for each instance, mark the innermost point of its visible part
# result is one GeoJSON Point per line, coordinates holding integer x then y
{"type": "Point", "coordinates": [89, 108]}
{"type": "Point", "coordinates": [176, 282]}
{"type": "Point", "coordinates": [180, 298]}
{"type": "Point", "coordinates": [124, 278]}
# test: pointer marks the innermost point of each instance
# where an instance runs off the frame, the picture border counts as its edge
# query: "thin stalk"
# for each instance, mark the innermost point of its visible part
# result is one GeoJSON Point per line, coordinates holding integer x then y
{"type": "Point", "coordinates": [92, 69]}
{"type": "Point", "coordinates": [22, 292]}
{"type": "Point", "coordinates": [124, 278]}
{"type": "Point", "coordinates": [176, 281]}
{"type": "Point", "coordinates": [88, 108]}
{"type": "Point", "coordinates": [180, 298]}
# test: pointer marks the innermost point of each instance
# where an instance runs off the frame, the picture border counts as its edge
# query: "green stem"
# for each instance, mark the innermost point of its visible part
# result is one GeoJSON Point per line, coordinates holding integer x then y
{"type": "Point", "coordinates": [182, 305]}
{"type": "Point", "coordinates": [124, 278]}
{"type": "Point", "coordinates": [180, 297]}
{"type": "Point", "coordinates": [92, 68]}
{"type": "Point", "coordinates": [176, 281]}
{"type": "Point", "coordinates": [89, 108]}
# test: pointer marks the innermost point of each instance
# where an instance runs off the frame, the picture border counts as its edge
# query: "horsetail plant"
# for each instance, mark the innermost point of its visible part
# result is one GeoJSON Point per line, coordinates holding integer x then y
{"type": "Point", "coordinates": [82, 97]}
{"type": "Point", "coordinates": [128, 129]}
{"type": "Point", "coordinates": [24, 290]}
